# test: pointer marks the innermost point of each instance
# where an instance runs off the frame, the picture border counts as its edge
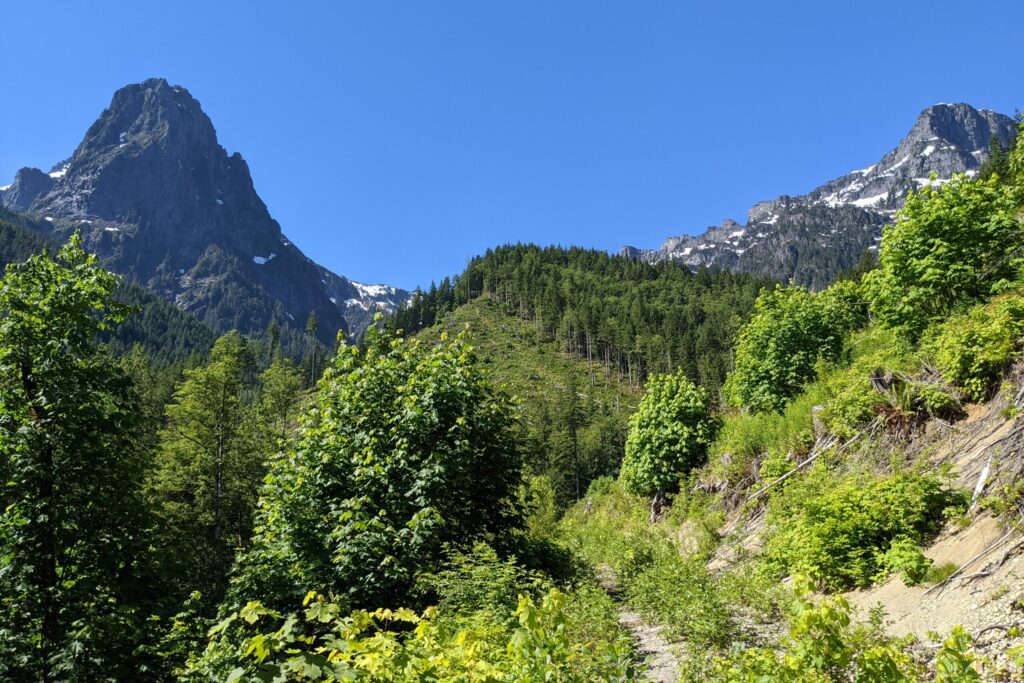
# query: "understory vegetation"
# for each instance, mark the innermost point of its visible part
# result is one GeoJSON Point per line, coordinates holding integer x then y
{"type": "Point", "coordinates": [556, 433]}
{"type": "Point", "coordinates": [811, 478]}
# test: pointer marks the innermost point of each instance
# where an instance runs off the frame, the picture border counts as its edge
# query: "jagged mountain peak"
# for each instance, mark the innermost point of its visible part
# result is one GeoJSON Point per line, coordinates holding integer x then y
{"type": "Point", "coordinates": [155, 109]}
{"type": "Point", "coordinates": [161, 201]}
{"type": "Point", "coordinates": [812, 237]}
{"type": "Point", "coordinates": [946, 139]}
{"type": "Point", "coordinates": [153, 151]}
{"type": "Point", "coordinates": [959, 124]}
{"type": "Point", "coordinates": [28, 184]}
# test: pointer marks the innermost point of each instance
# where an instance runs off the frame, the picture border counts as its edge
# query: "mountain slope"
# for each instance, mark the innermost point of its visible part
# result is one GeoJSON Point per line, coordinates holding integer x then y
{"type": "Point", "coordinates": [168, 334]}
{"type": "Point", "coordinates": [574, 414]}
{"type": "Point", "coordinates": [811, 238]}
{"type": "Point", "coordinates": [629, 318]}
{"type": "Point", "coordinates": [158, 198]}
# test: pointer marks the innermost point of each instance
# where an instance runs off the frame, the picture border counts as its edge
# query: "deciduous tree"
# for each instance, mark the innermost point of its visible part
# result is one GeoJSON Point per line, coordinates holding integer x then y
{"type": "Point", "coordinates": [72, 518]}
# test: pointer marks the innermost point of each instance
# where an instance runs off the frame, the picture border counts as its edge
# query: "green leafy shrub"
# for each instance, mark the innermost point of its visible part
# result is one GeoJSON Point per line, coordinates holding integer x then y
{"type": "Point", "coordinates": [779, 349]}
{"type": "Point", "coordinates": [822, 645]}
{"type": "Point", "coordinates": [323, 642]}
{"type": "Point", "coordinates": [906, 558]}
{"type": "Point", "coordinates": [683, 596]}
{"type": "Point", "coordinates": [843, 306]}
{"type": "Point", "coordinates": [839, 532]}
{"type": "Point", "coordinates": [479, 581]}
{"type": "Point", "coordinates": [539, 500]}
{"type": "Point", "coordinates": [936, 400]}
{"type": "Point", "coordinates": [636, 558]}
{"type": "Point", "coordinates": [949, 244]}
{"type": "Point", "coordinates": [954, 662]}
{"type": "Point", "coordinates": [851, 400]}
{"type": "Point", "coordinates": [971, 350]}
{"type": "Point", "coordinates": [668, 434]}
{"type": "Point", "coordinates": [742, 439]}
{"type": "Point", "coordinates": [772, 440]}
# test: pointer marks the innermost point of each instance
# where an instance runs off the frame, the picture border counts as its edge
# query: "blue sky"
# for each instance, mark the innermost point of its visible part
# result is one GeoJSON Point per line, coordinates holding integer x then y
{"type": "Point", "coordinates": [395, 140]}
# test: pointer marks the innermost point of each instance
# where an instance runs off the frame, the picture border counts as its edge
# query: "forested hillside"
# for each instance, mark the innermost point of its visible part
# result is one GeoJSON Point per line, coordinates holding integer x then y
{"type": "Point", "coordinates": [630, 318]}
{"type": "Point", "coordinates": [529, 471]}
{"type": "Point", "coordinates": [574, 411]}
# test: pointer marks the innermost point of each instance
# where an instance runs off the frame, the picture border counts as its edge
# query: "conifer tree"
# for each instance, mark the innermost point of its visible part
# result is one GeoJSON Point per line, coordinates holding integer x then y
{"type": "Point", "coordinates": [312, 326]}
{"type": "Point", "coordinates": [209, 468]}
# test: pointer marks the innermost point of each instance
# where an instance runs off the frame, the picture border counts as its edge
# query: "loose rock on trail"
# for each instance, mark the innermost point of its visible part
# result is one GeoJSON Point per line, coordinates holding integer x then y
{"type": "Point", "coordinates": [660, 659]}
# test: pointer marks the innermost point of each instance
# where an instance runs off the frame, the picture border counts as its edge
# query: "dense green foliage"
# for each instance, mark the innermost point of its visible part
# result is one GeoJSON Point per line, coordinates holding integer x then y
{"type": "Point", "coordinates": [949, 244]}
{"type": "Point", "coordinates": [778, 351]}
{"type": "Point", "coordinates": [494, 622]}
{"type": "Point", "coordinates": [406, 449]}
{"type": "Point", "coordinates": [401, 646]}
{"type": "Point", "coordinates": [971, 349]}
{"type": "Point", "coordinates": [221, 424]}
{"type": "Point", "coordinates": [841, 532]}
{"type": "Point", "coordinates": [632, 318]}
{"type": "Point", "coordinates": [668, 434]}
{"type": "Point", "coordinates": [72, 567]}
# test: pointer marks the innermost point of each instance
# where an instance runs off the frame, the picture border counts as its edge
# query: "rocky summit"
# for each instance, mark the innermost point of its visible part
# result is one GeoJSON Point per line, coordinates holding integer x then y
{"type": "Point", "coordinates": [811, 238]}
{"type": "Point", "coordinates": [162, 202]}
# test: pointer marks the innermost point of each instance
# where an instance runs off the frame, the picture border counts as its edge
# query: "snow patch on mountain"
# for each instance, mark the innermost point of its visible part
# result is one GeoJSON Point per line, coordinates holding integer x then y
{"type": "Point", "coordinates": [848, 212]}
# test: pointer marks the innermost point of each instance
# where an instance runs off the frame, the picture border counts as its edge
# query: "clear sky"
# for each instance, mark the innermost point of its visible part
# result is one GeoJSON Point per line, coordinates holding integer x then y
{"type": "Point", "coordinates": [394, 140]}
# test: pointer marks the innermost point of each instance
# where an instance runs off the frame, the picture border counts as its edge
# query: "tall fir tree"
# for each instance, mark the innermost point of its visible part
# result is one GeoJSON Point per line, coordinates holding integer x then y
{"type": "Point", "coordinates": [209, 469]}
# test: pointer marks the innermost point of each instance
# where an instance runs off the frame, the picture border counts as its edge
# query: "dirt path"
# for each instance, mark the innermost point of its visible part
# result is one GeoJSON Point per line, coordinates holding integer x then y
{"type": "Point", "coordinates": [660, 659]}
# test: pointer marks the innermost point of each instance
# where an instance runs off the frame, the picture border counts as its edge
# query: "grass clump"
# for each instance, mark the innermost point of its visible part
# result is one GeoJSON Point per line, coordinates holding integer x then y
{"type": "Point", "coordinates": [655, 574]}
{"type": "Point", "coordinates": [683, 596]}
{"type": "Point", "coordinates": [938, 573]}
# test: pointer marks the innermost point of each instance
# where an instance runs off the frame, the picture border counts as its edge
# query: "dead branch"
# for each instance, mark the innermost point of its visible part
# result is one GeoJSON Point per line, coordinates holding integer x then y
{"type": "Point", "coordinates": [818, 450]}
{"type": "Point", "coordinates": [956, 575]}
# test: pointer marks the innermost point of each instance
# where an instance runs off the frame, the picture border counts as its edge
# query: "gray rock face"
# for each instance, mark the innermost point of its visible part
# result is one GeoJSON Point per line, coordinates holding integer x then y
{"type": "Point", "coordinates": [28, 184]}
{"type": "Point", "coordinates": [158, 198]}
{"type": "Point", "coordinates": [811, 238]}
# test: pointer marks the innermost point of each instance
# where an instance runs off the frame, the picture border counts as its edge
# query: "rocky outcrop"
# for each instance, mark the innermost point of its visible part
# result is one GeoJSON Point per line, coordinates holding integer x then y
{"type": "Point", "coordinates": [28, 184]}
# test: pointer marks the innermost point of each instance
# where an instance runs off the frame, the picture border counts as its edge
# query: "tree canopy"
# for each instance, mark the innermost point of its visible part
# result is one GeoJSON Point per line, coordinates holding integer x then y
{"type": "Point", "coordinates": [72, 519]}
{"type": "Point", "coordinates": [668, 434]}
{"type": "Point", "coordinates": [778, 350]}
{"type": "Point", "coordinates": [949, 244]}
{"type": "Point", "coordinates": [406, 449]}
